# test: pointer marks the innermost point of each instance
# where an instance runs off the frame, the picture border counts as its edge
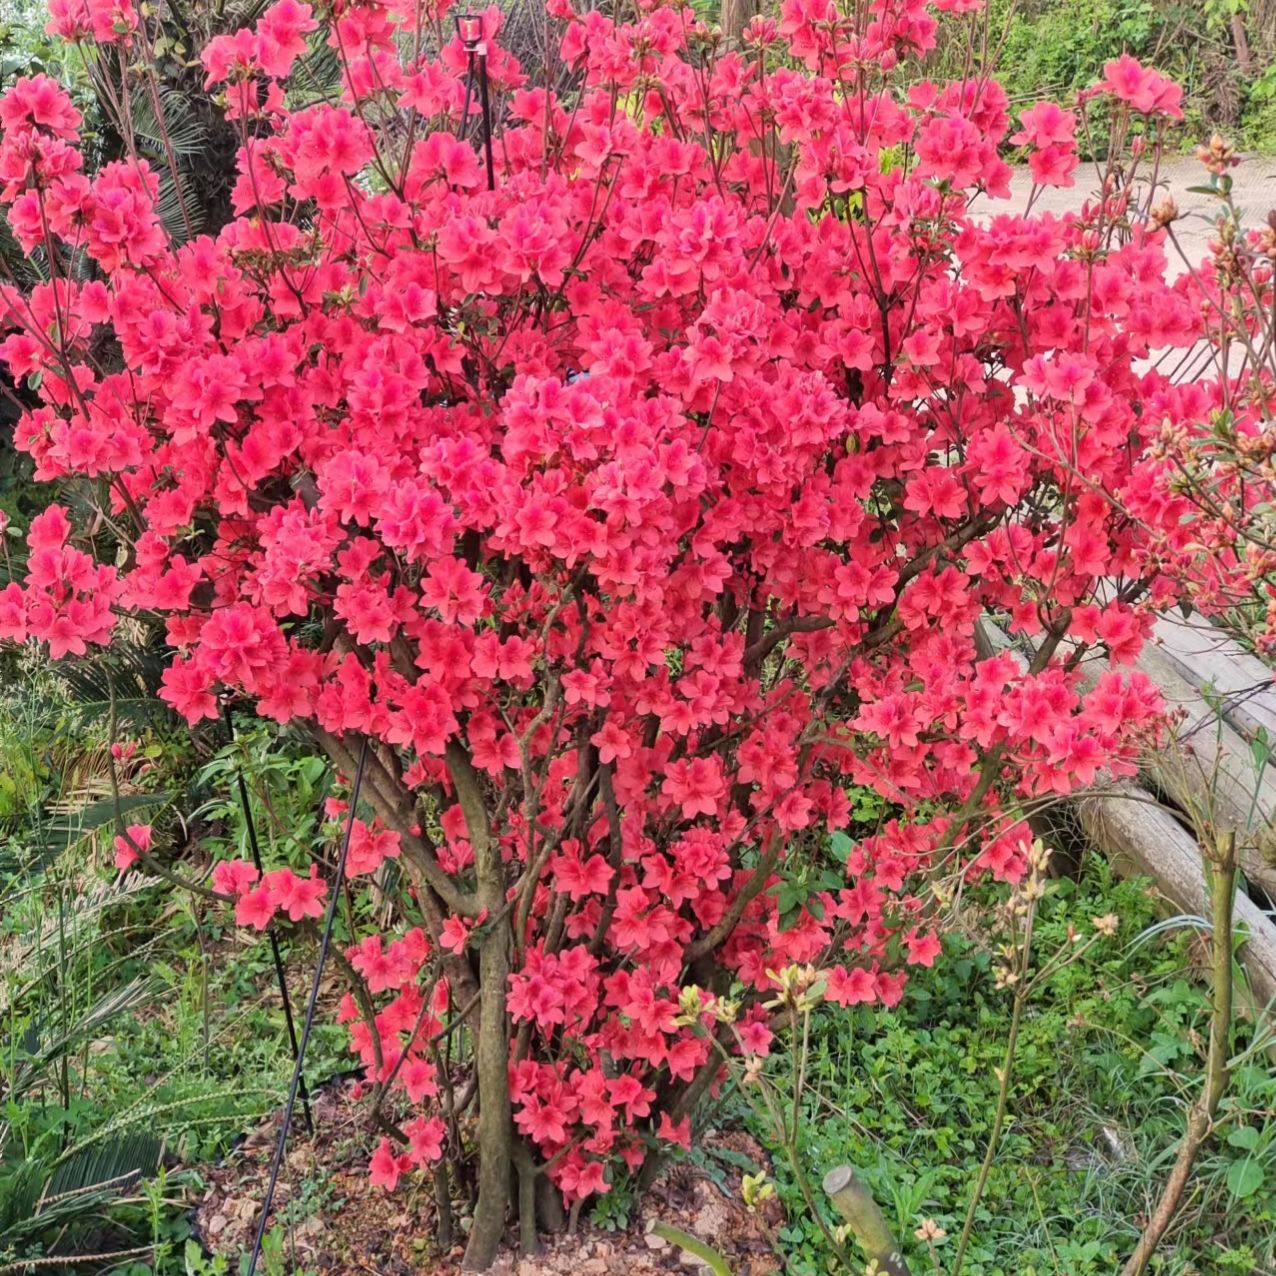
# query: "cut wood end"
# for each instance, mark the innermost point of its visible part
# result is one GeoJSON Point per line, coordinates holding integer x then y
{"type": "Point", "coordinates": [838, 1179]}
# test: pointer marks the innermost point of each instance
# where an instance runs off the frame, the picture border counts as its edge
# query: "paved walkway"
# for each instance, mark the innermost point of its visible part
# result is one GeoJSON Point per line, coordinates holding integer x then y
{"type": "Point", "coordinates": [1254, 188]}
{"type": "Point", "coordinates": [1254, 191]}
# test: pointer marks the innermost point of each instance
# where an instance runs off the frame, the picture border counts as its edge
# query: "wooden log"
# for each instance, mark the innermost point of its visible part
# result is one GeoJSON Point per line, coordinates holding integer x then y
{"type": "Point", "coordinates": [1143, 839]}
{"type": "Point", "coordinates": [1208, 769]}
{"type": "Point", "coordinates": [855, 1203]}
{"type": "Point", "coordinates": [1219, 666]}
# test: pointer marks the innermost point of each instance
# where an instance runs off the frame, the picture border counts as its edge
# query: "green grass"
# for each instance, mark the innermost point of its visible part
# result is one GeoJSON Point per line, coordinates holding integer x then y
{"type": "Point", "coordinates": [137, 1030]}
{"type": "Point", "coordinates": [1108, 1052]}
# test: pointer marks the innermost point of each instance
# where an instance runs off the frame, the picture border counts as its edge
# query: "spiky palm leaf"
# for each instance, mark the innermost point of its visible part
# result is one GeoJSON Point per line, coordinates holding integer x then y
{"type": "Point", "coordinates": [129, 674]}
{"type": "Point", "coordinates": [176, 126]}
{"type": "Point", "coordinates": [316, 76]}
{"type": "Point", "coordinates": [174, 140]}
{"type": "Point", "coordinates": [52, 1042]}
{"type": "Point", "coordinates": [51, 1210]}
{"type": "Point", "coordinates": [74, 823]}
{"type": "Point", "coordinates": [171, 122]}
{"type": "Point", "coordinates": [127, 1158]}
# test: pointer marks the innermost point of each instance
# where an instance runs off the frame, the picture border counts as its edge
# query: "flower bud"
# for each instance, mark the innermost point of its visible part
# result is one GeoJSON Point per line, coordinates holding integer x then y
{"type": "Point", "coordinates": [1164, 211]}
{"type": "Point", "coordinates": [690, 1004]}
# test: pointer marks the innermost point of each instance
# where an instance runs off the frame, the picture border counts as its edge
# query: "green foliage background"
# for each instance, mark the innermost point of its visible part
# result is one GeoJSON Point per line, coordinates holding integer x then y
{"type": "Point", "coordinates": [1109, 1054]}
{"type": "Point", "coordinates": [1055, 47]}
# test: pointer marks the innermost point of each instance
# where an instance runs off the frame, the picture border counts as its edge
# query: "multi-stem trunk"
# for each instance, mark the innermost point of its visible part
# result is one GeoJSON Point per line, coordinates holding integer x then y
{"type": "Point", "coordinates": [491, 1047]}
{"type": "Point", "coordinates": [491, 1061]}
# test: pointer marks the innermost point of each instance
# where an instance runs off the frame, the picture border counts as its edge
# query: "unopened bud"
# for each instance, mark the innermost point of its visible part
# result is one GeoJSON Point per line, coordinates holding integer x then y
{"type": "Point", "coordinates": [1164, 211]}
{"type": "Point", "coordinates": [1218, 155]}
{"type": "Point", "coordinates": [690, 1003]}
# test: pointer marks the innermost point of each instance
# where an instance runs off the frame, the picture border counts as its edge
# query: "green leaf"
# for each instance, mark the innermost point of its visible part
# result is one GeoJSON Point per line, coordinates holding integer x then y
{"type": "Point", "coordinates": [1244, 1137]}
{"type": "Point", "coordinates": [1260, 750]}
{"type": "Point", "coordinates": [840, 846]}
{"type": "Point", "coordinates": [1244, 1178]}
{"type": "Point", "coordinates": [67, 830]}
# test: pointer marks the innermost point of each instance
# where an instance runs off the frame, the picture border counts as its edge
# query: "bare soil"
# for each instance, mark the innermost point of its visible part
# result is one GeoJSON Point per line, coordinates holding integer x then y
{"type": "Point", "coordinates": [335, 1222]}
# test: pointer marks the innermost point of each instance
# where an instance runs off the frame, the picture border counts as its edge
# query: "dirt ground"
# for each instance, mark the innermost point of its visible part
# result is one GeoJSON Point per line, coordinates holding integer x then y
{"type": "Point", "coordinates": [334, 1222]}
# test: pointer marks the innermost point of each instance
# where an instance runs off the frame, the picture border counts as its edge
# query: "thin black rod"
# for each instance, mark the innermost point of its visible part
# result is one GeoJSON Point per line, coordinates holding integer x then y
{"type": "Point", "coordinates": [487, 120]}
{"type": "Point", "coordinates": [469, 93]}
{"type": "Point", "coordinates": [271, 933]}
{"type": "Point", "coordinates": [335, 894]}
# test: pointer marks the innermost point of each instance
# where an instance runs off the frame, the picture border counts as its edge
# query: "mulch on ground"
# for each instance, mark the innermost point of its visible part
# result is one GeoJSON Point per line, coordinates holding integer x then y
{"type": "Point", "coordinates": [336, 1222]}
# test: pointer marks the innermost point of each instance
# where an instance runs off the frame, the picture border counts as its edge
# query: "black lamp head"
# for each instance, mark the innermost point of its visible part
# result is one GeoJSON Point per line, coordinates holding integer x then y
{"type": "Point", "coordinates": [469, 26]}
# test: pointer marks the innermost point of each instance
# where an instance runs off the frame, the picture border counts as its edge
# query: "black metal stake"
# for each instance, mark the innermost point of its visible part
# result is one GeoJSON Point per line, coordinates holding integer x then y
{"type": "Point", "coordinates": [469, 93]}
{"type": "Point", "coordinates": [469, 26]}
{"type": "Point", "coordinates": [271, 932]}
{"type": "Point", "coordinates": [487, 117]}
{"type": "Point", "coordinates": [281, 1143]}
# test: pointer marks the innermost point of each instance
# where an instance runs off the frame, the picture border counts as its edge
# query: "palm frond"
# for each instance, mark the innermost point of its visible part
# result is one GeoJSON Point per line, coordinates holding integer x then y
{"type": "Point", "coordinates": [178, 206]}
{"type": "Point", "coordinates": [177, 127]}
{"type": "Point", "coordinates": [174, 140]}
{"type": "Point", "coordinates": [32, 954]}
{"type": "Point", "coordinates": [17, 265]}
{"type": "Point", "coordinates": [69, 1205]}
{"type": "Point", "coordinates": [20, 1189]}
{"type": "Point", "coordinates": [243, 13]}
{"type": "Point", "coordinates": [131, 1156]}
{"type": "Point", "coordinates": [119, 1001]}
{"type": "Point", "coordinates": [134, 670]}
{"type": "Point", "coordinates": [74, 825]}
{"type": "Point", "coordinates": [317, 73]}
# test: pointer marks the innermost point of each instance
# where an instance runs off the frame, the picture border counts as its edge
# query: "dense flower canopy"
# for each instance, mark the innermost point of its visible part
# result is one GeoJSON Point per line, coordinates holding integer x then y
{"type": "Point", "coordinates": [636, 509]}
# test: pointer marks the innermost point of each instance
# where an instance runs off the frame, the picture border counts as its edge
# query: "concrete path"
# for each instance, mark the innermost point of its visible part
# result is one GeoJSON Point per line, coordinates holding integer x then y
{"type": "Point", "coordinates": [1254, 191]}
{"type": "Point", "coordinates": [1254, 187]}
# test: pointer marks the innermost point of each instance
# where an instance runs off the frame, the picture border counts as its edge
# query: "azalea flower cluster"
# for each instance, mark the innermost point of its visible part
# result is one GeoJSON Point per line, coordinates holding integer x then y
{"type": "Point", "coordinates": [1210, 482]}
{"type": "Point", "coordinates": [634, 510]}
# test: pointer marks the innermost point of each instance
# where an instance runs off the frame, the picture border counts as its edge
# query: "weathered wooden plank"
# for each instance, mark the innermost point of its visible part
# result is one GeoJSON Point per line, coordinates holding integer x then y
{"type": "Point", "coordinates": [1207, 768]}
{"type": "Point", "coordinates": [1142, 838]}
{"type": "Point", "coordinates": [1212, 662]}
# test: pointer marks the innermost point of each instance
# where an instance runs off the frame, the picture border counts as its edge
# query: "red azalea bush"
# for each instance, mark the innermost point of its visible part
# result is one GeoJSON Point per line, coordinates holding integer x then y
{"type": "Point", "coordinates": [1213, 467]}
{"type": "Point", "coordinates": [632, 510]}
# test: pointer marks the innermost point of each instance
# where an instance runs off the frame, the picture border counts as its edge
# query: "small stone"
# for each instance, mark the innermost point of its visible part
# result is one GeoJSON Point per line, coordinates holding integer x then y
{"type": "Point", "coordinates": [655, 1242]}
{"type": "Point", "coordinates": [244, 1209]}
